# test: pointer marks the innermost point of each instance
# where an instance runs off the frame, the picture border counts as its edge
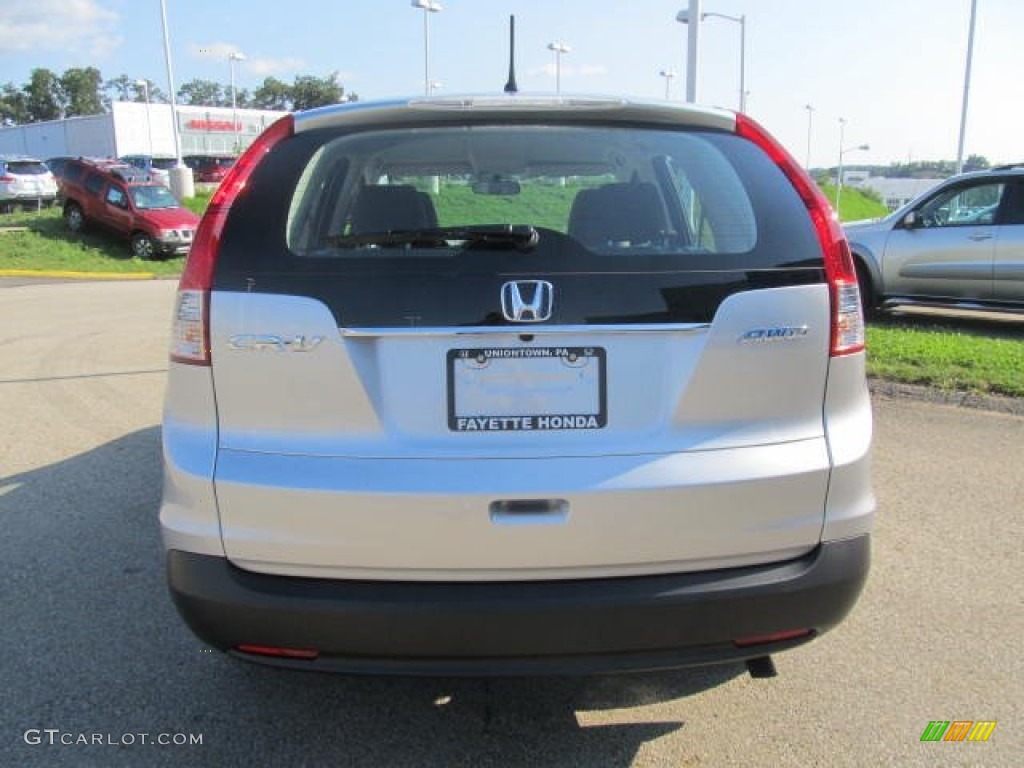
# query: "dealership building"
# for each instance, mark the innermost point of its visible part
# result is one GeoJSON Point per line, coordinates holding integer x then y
{"type": "Point", "coordinates": [131, 128]}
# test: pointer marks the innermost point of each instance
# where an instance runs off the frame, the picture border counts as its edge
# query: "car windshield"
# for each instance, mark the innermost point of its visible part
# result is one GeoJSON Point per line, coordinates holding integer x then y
{"type": "Point", "coordinates": [155, 196]}
{"type": "Point", "coordinates": [163, 163]}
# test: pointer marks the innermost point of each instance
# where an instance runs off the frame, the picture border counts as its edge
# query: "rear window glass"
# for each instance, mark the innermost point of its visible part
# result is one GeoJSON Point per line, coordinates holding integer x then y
{"type": "Point", "coordinates": [27, 167]}
{"type": "Point", "coordinates": [612, 190]}
{"type": "Point", "coordinates": [423, 226]}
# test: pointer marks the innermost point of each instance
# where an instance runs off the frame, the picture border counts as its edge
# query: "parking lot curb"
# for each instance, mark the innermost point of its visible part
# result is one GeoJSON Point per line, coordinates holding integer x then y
{"type": "Point", "coordinates": [895, 390]}
{"type": "Point", "coordinates": [77, 275]}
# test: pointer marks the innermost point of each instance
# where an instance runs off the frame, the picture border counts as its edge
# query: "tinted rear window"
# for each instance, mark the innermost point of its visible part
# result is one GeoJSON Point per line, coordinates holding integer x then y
{"type": "Point", "coordinates": [27, 167]}
{"type": "Point", "coordinates": [636, 225]}
{"type": "Point", "coordinates": [615, 191]}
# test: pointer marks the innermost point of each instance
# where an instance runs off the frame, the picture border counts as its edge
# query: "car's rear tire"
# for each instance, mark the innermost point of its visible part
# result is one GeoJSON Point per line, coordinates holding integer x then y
{"type": "Point", "coordinates": [142, 246]}
{"type": "Point", "coordinates": [73, 217]}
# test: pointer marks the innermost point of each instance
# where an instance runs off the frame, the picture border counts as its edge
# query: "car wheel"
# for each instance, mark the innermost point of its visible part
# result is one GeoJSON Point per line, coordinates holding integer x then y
{"type": "Point", "coordinates": [867, 292]}
{"type": "Point", "coordinates": [142, 246]}
{"type": "Point", "coordinates": [73, 217]}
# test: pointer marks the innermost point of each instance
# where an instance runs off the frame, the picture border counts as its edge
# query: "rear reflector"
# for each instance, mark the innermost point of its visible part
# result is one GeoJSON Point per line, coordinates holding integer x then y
{"type": "Point", "coordinates": [847, 319]}
{"type": "Point", "coordinates": [278, 652]}
{"type": "Point", "coordinates": [773, 637]}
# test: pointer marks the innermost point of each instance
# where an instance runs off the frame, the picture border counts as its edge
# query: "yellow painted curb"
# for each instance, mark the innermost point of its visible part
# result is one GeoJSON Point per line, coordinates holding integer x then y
{"type": "Point", "coordinates": [77, 275]}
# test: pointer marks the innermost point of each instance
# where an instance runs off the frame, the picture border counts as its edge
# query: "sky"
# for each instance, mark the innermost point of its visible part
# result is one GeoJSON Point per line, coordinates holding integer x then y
{"type": "Point", "coordinates": [893, 69]}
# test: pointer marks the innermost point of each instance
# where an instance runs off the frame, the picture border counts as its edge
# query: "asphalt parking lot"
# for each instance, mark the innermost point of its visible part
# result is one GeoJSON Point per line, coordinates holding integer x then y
{"type": "Point", "coordinates": [93, 647]}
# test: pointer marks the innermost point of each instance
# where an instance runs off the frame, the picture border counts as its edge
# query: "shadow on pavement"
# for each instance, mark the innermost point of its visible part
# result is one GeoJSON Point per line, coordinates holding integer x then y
{"type": "Point", "coordinates": [95, 647]}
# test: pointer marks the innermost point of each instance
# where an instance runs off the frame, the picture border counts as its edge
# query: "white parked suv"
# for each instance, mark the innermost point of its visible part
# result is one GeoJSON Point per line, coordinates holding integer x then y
{"type": "Point", "coordinates": [25, 182]}
{"type": "Point", "coordinates": [516, 385]}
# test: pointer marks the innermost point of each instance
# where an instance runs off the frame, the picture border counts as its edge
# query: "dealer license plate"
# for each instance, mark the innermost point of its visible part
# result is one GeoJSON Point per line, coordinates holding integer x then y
{"type": "Point", "coordinates": [508, 389]}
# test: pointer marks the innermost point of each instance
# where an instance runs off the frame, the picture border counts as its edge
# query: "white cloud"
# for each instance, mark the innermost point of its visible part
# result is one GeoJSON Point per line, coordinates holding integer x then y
{"type": "Point", "coordinates": [256, 65]}
{"type": "Point", "coordinates": [266, 66]}
{"type": "Point", "coordinates": [57, 25]}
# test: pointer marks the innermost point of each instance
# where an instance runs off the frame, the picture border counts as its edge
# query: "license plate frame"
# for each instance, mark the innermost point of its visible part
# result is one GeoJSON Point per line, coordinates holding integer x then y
{"type": "Point", "coordinates": [524, 389]}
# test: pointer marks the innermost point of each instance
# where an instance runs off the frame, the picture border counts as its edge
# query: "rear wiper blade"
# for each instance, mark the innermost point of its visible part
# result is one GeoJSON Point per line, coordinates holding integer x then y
{"type": "Point", "coordinates": [522, 236]}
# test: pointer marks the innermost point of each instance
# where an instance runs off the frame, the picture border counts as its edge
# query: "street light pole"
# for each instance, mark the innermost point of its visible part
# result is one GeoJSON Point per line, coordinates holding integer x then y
{"type": "Point", "coordinates": [170, 83]}
{"type": "Point", "coordinates": [559, 49]}
{"type": "Point", "coordinates": [742, 21]}
{"type": "Point", "coordinates": [429, 7]}
{"type": "Point", "coordinates": [810, 116]}
{"type": "Point", "coordinates": [842, 152]}
{"type": "Point", "coordinates": [967, 90]}
{"type": "Point", "coordinates": [232, 58]}
{"type": "Point", "coordinates": [839, 168]}
{"type": "Point", "coordinates": [144, 84]}
{"type": "Point", "coordinates": [692, 46]}
{"type": "Point", "coordinates": [668, 74]}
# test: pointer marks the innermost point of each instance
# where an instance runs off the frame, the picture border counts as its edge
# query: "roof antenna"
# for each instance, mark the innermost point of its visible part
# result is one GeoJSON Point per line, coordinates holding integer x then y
{"type": "Point", "coordinates": [510, 86]}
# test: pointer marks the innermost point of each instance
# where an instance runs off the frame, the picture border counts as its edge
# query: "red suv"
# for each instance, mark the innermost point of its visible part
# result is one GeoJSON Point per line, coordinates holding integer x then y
{"type": "Point", "coordinates": [124, 200]}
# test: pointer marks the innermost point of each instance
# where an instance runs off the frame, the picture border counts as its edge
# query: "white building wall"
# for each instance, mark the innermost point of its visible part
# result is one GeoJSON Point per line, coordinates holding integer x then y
{"type": "Point", "coordinates": [142, 129]}
{"type": "Point", "coordinates": [131, 128]}
{"type": "Point", "coordinates": [74, 136]}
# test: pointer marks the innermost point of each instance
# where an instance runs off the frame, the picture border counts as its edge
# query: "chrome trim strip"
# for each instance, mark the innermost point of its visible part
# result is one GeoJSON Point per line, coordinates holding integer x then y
{"type": "Point", "coordinates": [525, 330]}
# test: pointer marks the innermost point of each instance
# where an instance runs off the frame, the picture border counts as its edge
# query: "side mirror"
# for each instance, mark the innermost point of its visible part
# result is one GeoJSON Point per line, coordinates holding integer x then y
{"type": "Point", "coordinates": [911, 221]}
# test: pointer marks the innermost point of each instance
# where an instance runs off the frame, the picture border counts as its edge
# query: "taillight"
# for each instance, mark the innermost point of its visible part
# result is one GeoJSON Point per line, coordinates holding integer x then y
{"type": "Point", "coordinates": [847, 334]}
{"type": "Point", "coordinates": [6, 178]}
{"type": "Point", "coordinates": [190, 336]}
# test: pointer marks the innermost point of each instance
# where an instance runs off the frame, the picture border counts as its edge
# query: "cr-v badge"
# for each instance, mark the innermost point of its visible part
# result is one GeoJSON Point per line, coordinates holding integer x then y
{"type": "Point", "coordinates": [245, 342]}
{"type": "Point", "coordinates": [773, 334]}
{"type": "Point", "coordinates": [527, 301]}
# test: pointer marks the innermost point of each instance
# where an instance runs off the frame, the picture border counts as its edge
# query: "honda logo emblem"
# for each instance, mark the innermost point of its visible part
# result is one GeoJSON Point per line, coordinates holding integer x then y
{"type": "Point", "coordinates": [527, 301]}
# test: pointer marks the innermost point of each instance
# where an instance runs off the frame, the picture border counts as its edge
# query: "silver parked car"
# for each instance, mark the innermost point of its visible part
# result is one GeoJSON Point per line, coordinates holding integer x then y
{"type": "Point", "coordinates": [503, 385]}
{"type": "Point", "coordinates": [158, 168]}
{"type": "Point", "coordinates": [961, 244]}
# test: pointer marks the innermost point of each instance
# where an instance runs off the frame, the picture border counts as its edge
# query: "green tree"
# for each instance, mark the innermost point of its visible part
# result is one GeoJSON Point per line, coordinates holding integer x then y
{"type": "Point", "coordinates": [13, 105]}
{"type": "Point", "coordinates": [976, 163]}
{"type": "Point", "coordinates": [121, 88]}
{"type": "Point", "coordinates": [243, 100]}
{"type": "Point", "coordinates": [273, 94]}
{"type": "Point", "coordinates": [81, 91]}
{"type": "Point", "coordinates": [309, 91]}
{"type": "Point", "coordinates": [44, 96]}
{"type": "Point", "coordinates": [204, 93]}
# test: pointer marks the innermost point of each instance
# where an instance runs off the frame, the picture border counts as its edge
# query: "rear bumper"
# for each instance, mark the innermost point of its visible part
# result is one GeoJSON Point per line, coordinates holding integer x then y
{"type": "Point", "coordinates": [554, 627]}
{"type": "Point", "coordinates": [28, 198]}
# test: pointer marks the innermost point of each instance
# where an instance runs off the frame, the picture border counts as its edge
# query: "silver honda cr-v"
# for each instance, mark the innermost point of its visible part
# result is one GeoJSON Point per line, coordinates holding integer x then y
{"type": "Point", "coordinates": [513, 385]}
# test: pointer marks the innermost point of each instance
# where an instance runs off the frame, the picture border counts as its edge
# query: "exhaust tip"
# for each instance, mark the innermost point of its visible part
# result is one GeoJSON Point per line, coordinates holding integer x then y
{"type": "Point", "coordinates": [761, 667]}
